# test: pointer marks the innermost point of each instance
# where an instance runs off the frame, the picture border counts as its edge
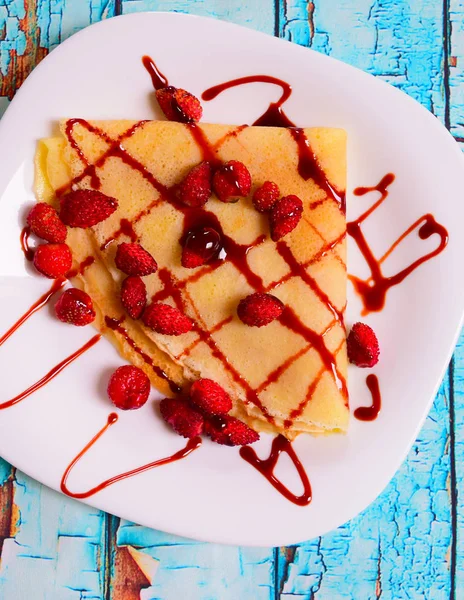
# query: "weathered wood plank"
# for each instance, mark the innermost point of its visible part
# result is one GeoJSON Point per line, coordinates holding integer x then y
{"type": "Point", "coordinates": [194, 570]}
{"type": "Point", "coordinates": [56, 547]}
{"type": "Point", "coordinates": [258, 14]}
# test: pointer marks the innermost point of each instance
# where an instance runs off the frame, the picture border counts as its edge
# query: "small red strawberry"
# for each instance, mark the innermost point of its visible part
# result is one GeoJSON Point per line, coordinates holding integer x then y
{"type": "Point", "coordinates": [195, 189]}
{"type": "Point", "coordinates": [266, 196]}
{"type": "Point", "coordinates": [258, 309]}
{"type": "Point", "coordinates": [232, 181]}
{"type": "Point", "coordinates": [166, 319]}
{"type": "Point", "coordinates": [184, 419]}
{"type": "Point", "coordinates": [45, 223]}
{"type": "Point", "coordinates": [229, 431]}
{"type": "Point", "coordinates": [285, 216]}
{"type": "Point", "coordinates": [134, 296]}
{"type": "Point", "coordinates": [209, 397]}
{"type": "Point", "coordinates": [179, 105]}
{"type": "Point", "coordinates": [128, 388]}
{"type": "Point", "coordinates": [363, 346]}
{"type": "Point", "coordinates": [75, 307]}
{"type": "Point", "coordinates": [132, 259]}
{"type": "Point", "coordinates": [86, 208]}
{"type": "Point", "coordinates": [200, 246]}
{"type": "Point", "coordinates": [53, 260]}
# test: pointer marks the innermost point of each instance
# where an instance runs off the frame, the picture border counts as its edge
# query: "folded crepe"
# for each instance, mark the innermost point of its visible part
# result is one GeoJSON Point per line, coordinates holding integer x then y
{"type": "Point", "coordinates": [282, 378]}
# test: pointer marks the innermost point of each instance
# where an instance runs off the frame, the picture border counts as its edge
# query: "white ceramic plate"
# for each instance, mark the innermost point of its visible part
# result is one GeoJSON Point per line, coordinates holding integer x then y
{"type": "Point", "coordinates": [214, 495]}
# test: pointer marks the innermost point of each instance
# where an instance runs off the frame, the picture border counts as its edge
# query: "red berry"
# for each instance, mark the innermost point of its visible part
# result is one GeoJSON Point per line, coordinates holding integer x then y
{"type": "Point", "coordinates": [201, 246]}
{"type": "Point", "coordinates": [195, 189]}
{"type": "Point", "coordinates": [363, 346]}
{"type": "Point", "coordinates": [45, 223]}
{"type": "Point", "coordinates": [229, 431]}
{"type": "Point", "coordinates": [128, 387]}
{"type": "Point", "coordinates": [134, 296]}
{"type": "Point", "coordinates": [258, 309]}
{"type": "Point", "coordinates": [166, 319]}
{"type": "Point", "coordinates": [179, 105]}
{"type": "Point", "coordinates": [232, 181]}
{"type": "Point", "coordinates": [285, 216]}
{"type": "Point", "coordinates": [132, 259]}
{"type": "Point", "coordinates": [266, 196]}
{"type": "Point", "coordinates": [53, 260]}
{"type": "Point", "coordinates": [184, 419]}
{"type": "Point", "coordinates": [209, 397]}
{"type": "Point", "coordinates": [75, 307]}
{"type": "Point", "coordinates": [86, 208]}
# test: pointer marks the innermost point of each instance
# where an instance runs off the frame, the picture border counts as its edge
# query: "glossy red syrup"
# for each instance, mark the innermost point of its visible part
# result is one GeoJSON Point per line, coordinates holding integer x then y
{"type": "Point", "coordinates": [274, 115]}
{"type": "Point", "coordinates": [116, 325]}
{"type": "Point", "coordinates": [205, 242]}
{"type": "Point", "coordinates": [51, 374]}
{"type": "Point", "coordinates": [24, 239]}
{"type": "Point", "coordinates": [82, 268]}
{"type": "Point", "coordinates": [57, 285]}
{"type": "Point", "coordinates": [308, 165]}
{"type": "Point", "coordinates": [192, 444]}
{"type": "Point", "coordinates": [158, 80]}
{"type": "Point", "coordinates": [266, 468]}
{"type": "Point", "coordinates": [373, 291]}
{"type": "Point", "coordinates": [370, 413]}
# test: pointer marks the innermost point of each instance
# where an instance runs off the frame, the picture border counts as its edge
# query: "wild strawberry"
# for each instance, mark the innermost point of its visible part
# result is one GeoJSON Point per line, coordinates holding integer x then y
{"type": "Point", "coordinates": [232, 181]}
{"type": "Point", "coordinates": [200, 246]}
{"type": "Point", "coordinates": [128, 387]}
{"type": "Point", "coordinates": [195, 189]}
{"type": "Point", "coordinates": [75, 307]}
{"type": "Point", "coordinates": [209, 397]}
{"type": "Point", "coordinates": [285, 216]}
{"type": "Point", "coordinates": [166, 319]}
{"type": "Point", "coordinates": [184, 419]}
{"type": "Point", "coordinates": [363, 346]}
{"type": "Point", "coordinates": [53, 260]}
{"type": "Point", "coordinates": [266, 196]}
{"type": "Point", "coordinates": [229, 431]}
{"type": "Point", "coordinates": [132, 259]}
{"type": "Point", "coordinates": [179, 105]}
{"type": "Point", "coordinates": [86, 208]}
{"type": "Point", "coordinates": [45, 223]}
{"type": "Point", "coordinates": [134, 296]}
{"type": "Point", "coordinates": [258, 309]}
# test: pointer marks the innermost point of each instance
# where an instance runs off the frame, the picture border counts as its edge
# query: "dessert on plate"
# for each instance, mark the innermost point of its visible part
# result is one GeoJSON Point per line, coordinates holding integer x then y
{"type": "Point", "coordinates": [213, 252]}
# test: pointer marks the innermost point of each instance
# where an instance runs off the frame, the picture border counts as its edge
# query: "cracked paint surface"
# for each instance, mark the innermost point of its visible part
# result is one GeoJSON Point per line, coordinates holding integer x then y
{"type": "Point", "coordinates": [409, 543]}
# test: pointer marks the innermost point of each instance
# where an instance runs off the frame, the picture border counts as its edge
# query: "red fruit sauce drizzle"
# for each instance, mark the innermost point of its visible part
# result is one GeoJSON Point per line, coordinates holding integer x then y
{"type": "Point", "coordinates": [40, 303]}
{"type": "Point", "coordinates": [24, 239]}
{"type": "Point", "coordinates": [266, 467]}
{"type": "Point", "coordinates": [308, 165]}
{"type": "Point", "coordinates": [158, 80]}
{"type": "Point", "coordinates": [191, 445]}
{"type": "Point", "coordinates": [116, 325]}
{"type": "Point", "coordinates": [51, 374]}
{"type": "Point", "coordinates": [370, 413]}
{"type": "Point", "coordinates": [373, 291]}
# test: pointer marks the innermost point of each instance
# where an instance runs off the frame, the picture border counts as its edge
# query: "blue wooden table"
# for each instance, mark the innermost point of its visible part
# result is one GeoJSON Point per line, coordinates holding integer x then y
{"type": "Point", "coordinates": [410, 542]}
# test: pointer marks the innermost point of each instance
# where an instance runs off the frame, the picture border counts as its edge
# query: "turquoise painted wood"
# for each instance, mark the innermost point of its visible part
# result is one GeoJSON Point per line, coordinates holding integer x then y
{"type": "Point", "coordinates": [410, 542]}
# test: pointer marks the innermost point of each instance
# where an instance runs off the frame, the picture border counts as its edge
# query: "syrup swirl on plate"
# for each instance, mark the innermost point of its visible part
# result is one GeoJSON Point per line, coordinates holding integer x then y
{"type": "Point", "coordinates": [191, 445]}
{"type": "Point", "coordinates": [370, 413]}
{"type": "Point", "coordinates": [266, 468]}
{"type": "Point", "coordinates": [373, 291]}
{"type": "Point", "coordinates": [51, 374]}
